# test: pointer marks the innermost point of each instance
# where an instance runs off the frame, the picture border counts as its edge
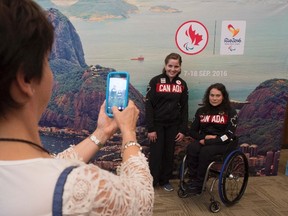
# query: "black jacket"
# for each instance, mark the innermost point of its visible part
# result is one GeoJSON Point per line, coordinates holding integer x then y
{"type": "Point", "coordinates": [214, 122]}
{"type": "Point", "coordinates": [167, 103]}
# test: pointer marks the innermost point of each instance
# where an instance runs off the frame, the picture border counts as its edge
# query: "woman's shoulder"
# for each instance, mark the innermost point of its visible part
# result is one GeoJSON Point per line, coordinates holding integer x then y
{"type": "Point", "coordinates": [201, 109]}
{"type": "Point", "coordinates": [62, 163]}
{"type": "Point", "coordinates": [182, 80]}
{"type": "Point", "coordinates": [158, 76]}
{"type": "Point", "coordinates": [156, 79]}
{"type": "Point", "coordinates": [232, 111]}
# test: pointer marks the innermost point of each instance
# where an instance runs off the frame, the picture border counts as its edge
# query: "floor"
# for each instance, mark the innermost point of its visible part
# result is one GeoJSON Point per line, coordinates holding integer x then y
{"type": "Point", "coordinates": [263, 196]}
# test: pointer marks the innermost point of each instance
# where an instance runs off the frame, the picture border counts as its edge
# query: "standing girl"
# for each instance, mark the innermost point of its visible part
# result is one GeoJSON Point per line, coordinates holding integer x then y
{"type": "Point", "coordinates": [167, 117]}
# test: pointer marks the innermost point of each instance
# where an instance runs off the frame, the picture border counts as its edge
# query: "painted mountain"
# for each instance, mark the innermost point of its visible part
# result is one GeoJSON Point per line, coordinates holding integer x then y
{"type": "Point", "coordinates": [261, 121]}
{"type": "Point", "coordinates": [79, 89]}
{"type": "Point", "coordinates": [93, 10]}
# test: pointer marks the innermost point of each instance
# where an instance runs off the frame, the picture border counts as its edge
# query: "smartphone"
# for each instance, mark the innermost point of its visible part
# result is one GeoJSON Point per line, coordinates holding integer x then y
{"type": "Point", "coordinates": [117, 91]}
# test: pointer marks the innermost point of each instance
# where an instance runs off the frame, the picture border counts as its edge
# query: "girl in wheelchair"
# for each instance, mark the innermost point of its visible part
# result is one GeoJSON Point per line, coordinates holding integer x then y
{"type": "Point", "coordinates": [213, 130]}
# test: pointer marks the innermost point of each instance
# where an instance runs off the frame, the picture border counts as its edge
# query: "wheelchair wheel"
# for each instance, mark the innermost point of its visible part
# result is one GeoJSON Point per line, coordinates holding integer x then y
{"type": "Point", "coordinates": [233, 178]}
{"type": "Point", "coordinates": [182, 193]}
{"type": "Point", "coordinates": [214, 206]}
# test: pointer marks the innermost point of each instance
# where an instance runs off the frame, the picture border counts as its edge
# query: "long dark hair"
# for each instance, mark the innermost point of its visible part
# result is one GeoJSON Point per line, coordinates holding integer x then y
{"type": "Point", "coordinates": [26, 38]}
{"type": "Point", "coordinates": [225, 105]}
{"type": "Point", "coordinates": [175, 56]}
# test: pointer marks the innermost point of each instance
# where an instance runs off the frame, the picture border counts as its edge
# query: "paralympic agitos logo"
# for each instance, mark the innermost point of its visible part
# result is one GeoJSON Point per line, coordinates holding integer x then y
{"type": "Point", "coordinates": [191, 37]}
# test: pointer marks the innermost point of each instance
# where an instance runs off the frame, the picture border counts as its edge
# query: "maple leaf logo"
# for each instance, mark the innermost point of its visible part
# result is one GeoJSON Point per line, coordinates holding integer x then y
{"type": "Point", "coordinates": [191, 37]}
{"type": "Point", "coordinates": [195, 38]}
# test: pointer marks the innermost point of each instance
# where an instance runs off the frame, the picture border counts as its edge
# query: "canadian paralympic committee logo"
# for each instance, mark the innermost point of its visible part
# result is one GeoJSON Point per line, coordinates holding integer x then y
{"type": "Point", "coordinates": [191, 37]}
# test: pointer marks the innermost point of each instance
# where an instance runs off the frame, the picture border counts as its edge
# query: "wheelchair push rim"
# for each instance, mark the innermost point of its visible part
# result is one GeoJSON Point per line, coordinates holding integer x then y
{"type": "Point", "coordinates": [233, 178]}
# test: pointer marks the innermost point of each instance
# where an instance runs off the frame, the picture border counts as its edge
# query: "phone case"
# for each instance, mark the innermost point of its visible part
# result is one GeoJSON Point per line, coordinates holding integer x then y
{"type": "Point", "coordinates": [117, 91]}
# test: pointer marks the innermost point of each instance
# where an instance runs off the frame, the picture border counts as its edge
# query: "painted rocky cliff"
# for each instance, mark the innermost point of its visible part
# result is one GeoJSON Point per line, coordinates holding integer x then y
{"type": "Point", "coordinates": [261, 121]}
{"type": "Point", "coordinates": [79, 89]}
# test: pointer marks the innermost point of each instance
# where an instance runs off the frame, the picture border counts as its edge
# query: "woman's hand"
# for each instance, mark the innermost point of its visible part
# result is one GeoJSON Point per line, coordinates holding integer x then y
{"type": "Point", "coordinates": [126, 121]}
{"type": "Point", "coordinates": [106, 126]}
{"type": "Point", "coordinates": [152, 136]}
{"type": "Point", "coordinates": [202, 141]}
{"type": "Point", "coordinates": [210, 137]}
{"type": "Point", "coordinates": [179, 137]}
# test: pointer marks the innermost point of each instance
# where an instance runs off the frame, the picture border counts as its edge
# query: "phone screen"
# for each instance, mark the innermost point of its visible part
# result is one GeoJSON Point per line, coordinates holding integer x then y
{"type": "Point", "coordinates": [117, 91]}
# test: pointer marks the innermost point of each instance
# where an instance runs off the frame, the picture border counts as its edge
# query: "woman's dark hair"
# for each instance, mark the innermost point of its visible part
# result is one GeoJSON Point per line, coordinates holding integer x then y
{"type": "Point", "coordinates": [225, 105]}
{"type": "Point", "coordinates": [26, 36]}
{"type": "Point", "coordinates": [175, 56]}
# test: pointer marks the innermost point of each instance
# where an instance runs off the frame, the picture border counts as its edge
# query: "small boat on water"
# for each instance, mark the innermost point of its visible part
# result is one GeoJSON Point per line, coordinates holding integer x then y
{"type": "Point", "coordinates": [140, 58]}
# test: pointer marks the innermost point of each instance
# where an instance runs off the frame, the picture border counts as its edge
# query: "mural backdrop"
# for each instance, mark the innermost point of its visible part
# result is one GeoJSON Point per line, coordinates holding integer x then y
{"type": "Point", "coordinates": [242, 44]}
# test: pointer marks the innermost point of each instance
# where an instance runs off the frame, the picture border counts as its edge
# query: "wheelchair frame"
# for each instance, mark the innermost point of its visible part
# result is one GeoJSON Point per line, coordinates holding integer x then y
{"type": "Point", "coordinates": [232, 176]}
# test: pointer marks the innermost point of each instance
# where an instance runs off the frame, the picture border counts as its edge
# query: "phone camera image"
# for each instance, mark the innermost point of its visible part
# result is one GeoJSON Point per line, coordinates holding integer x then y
{"type": "Point", "coordinates": [117, 91]}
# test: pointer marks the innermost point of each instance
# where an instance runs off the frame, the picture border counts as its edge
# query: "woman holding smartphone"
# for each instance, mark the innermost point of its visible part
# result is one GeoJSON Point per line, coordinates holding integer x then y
{"type": "Point", "coordinates": [29, 174]}
{"type": "Point", "coordinates": [167, 118]}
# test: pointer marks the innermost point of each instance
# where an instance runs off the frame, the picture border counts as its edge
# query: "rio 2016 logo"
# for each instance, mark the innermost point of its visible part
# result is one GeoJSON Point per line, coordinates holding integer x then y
{"type": "Point", "coordinates": [191, 37]}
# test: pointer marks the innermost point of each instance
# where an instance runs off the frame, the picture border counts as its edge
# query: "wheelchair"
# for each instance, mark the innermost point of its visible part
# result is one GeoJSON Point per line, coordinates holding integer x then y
{"type": "Point", "coordinates": [231, 170]}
